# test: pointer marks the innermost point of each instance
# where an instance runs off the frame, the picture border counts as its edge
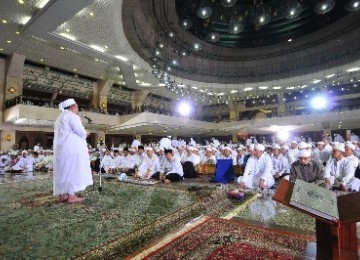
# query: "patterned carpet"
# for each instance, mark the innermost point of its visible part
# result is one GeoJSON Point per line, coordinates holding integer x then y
{"type": "Point", "coordinates": [215, 238]}
{"type": "Point", "coordinates": [111, 224]}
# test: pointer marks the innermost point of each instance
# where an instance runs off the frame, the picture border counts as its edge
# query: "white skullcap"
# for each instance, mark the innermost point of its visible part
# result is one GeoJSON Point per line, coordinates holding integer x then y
{"type": "Point", "coordinates": [227, 148]}
{"type": "Point", "coordinates": [259, 147]}
{"type": "Point", "coordinates": [149, 148]}
{"type": "Point", "coordinates": [286, 147]}
{"type": "Point", "coordinates": [276, 146]}
{"type": "Point", "coordinates": [66, 103]}
{"type": "Point", "coordinates": [339, 146]}
{"type": "Point", "coordinates": [303, 145]}
{"type": "Point", "coordinates": [24, 151]}
{"type": "Point", "coordinates": [304, 153]}
{"type": "Point", "coordinates": [320, 143]}
{"type": "Point", "coordinates": [293, 142]}
{"type": "Point", "coordinates": [251, 146]}
{"type": "Point", "coordinates": [350, 145]}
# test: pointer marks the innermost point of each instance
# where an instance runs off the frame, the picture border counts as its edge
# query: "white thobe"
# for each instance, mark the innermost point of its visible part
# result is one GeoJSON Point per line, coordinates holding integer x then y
{"type": "Point", "coordinates": [148, 167]}
{"type": "Point", "coordinates": [72, 172]}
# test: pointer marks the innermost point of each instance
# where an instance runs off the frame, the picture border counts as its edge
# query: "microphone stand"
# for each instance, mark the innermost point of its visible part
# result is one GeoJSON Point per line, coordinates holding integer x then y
{"type": "Point", "coordinates": [101, 147]}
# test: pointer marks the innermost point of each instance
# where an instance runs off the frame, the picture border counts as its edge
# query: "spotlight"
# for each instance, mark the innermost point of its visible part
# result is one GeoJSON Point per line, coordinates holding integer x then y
{"type": "Point", "coordinates": [325, 6]}
{"type": "Point", "coordinates": [353, 5]}
{"type": "Point", "coordinates": [184, 109]}
{"type": "Point", "coordinates": [236, 27]}
{"type": "Point", "coordinates": [283, 135]}
{"type": "Point", "coordinates": [186, 23]}
{"type": "Point", "coordinates": [228, 3]}
{"type": "Point", "coordinates": [204, 12]}
{"type": "Point", "coordinates": [214, 37]}
{"type": "Point", "coordinates": [319, 102]}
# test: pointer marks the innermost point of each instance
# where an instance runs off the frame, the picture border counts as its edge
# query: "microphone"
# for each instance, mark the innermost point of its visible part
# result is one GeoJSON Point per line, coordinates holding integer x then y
{"type": "Point", "coordinates": [87, 118]}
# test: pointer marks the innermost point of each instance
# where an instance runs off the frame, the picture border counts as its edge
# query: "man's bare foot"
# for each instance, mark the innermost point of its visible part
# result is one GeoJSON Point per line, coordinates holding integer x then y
{"type": "Point", "coordinates": [63, 197]}
{"type": "Point", "coordinates": [167, 181]}
{"type": "Point", "coordinates": [74, 198]}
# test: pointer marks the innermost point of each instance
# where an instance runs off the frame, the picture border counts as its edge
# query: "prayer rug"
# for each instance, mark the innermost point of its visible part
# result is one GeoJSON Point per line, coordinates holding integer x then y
{"type": "Point", "coordinates": [215, 238]}
{"type": "Point", "coordinates": [110, 224]}
{"type": "Point", "coordinates": [140, 181]}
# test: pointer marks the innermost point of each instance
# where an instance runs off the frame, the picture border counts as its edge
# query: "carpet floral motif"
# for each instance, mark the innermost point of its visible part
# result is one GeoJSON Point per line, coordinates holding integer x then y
{"type": "Point", "coordinates": [215, 238]}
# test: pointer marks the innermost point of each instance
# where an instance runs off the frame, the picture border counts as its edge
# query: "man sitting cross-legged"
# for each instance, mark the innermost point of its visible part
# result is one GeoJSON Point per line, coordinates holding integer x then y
{"type": "Point", "coordinates": [171, 170]}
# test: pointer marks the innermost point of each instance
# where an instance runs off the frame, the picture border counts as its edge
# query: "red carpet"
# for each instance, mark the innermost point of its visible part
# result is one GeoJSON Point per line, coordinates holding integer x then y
{"type": "Point", "coordinates": [214, 238]}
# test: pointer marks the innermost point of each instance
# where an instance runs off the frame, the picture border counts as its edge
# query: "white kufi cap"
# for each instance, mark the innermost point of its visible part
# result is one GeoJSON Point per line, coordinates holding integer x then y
{"type": "Point", "coordinates": [259, 147]}
{"type": "Point", "coordinates": [304, 153]}
{"type": "Point", "coordinates": [66, 103]}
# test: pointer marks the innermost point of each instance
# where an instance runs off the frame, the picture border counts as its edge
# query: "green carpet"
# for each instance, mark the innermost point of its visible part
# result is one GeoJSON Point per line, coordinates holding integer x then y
{"type": "Point", "coordinates": [113, 223]}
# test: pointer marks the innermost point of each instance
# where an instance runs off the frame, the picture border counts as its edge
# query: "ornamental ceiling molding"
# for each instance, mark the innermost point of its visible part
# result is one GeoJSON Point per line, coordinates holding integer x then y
{"type": "Point", "coordinates": [147, 23]}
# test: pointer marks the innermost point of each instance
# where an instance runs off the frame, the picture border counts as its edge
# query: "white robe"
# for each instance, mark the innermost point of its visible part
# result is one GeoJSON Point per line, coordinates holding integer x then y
{"type": "Point", "coordinates": [72, 171]}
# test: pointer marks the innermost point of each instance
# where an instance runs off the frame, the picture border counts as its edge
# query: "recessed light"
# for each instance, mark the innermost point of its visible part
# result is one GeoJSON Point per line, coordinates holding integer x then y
{"type": "Point", "coordinates": [289, 40]}
{"type": "Point", "coordinates": [67, 30]}
{"type": "Point", "coordinates": [21, 2]}
{"type": "Point", "coordinates": [41, 60]}
{"type": "Point", "coordinates": [1, 49]}
{"type": "Point", "coordinates": [74, 69]}
{"type": "Point", "coordinates": [91, 14]}
{"type": "Point", "coordinates": [106, 47]}
{"type": "Point", "coordinates": [4, 21]}
{"type": "Point", "coordinates": [353, 69]}
{"type": "Point", "coordinates": [278, 87]}
{"type": "Point", "coordinates": [316, 81]}
{"type": "Point", "coordinates": [17, 33]}
{"type": "Point", "coordinates": [263, 87]}
{"type": "Point", "coordinates": [247, 89]}
{"type": "Point", "coordinates": [330, 76]}
{"type": "Point", "coordinates": [8, 41]}
{"type": "Point", "coordinates": [62, 48]}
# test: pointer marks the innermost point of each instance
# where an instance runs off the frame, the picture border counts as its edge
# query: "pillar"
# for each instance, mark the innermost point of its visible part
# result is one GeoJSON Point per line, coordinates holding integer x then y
{"type": "Point", "coordinates": [7, 139]}
{"type": "Point", "coordinates": [138, 99]}
{"type": "Point", "coordinates": [14, 76]}
{"type": "Point", "coordinates": [100, 93]}
{"type": "Point", "coordinates": [348, 135]}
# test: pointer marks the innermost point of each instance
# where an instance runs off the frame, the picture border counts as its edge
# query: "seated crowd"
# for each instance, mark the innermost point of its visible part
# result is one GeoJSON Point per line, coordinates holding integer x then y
{"type": "Point", "coordinates": [330, 164]}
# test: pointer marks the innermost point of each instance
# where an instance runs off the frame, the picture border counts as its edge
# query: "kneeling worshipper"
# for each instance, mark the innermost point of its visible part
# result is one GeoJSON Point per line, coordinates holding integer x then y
{"type": "Point", "coordinates": [149, 166]}
{"type": "Point", "coordinates": [25, 164]}
{"type": "Point", "coordinates": [72, 172]}
{"type": "Point", "coordinates": [307, 169]}
{"type": "Point", "coordinates": [258, 170]}
{"type": "Point", "coordinates": [171, 170]}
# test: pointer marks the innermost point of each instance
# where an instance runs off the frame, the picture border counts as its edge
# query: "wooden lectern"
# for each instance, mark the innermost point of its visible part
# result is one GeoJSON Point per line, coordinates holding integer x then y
{"type": "Point", "coordinates": [335, 240]}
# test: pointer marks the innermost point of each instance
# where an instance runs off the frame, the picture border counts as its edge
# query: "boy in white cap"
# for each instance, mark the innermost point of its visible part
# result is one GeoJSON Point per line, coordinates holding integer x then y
{"type": "Point", "coordinates": [258, 170]}
{"type": "Point", "coordinates": [72, 172]}
{"type": "Point", "coordinates": [306, 169]}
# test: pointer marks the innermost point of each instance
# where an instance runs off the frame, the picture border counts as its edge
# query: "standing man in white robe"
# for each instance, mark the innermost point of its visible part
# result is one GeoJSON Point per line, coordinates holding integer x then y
{"type": "Point", "coordinates": [72, 171]}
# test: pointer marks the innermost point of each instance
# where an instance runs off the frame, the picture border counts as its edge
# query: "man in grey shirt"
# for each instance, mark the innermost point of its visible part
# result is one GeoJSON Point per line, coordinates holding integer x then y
{"type": "Point", "coordinates": [307, 169]}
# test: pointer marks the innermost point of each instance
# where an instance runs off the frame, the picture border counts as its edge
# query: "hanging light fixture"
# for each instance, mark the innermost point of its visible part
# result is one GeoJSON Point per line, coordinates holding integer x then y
{"type": "Point", "coordinates": [204, 12]}
{"type": "Point", "coordinates": [353, 5]}
{"type": "Point", "coordinates": [213, 37]}
{"type": "Point", "coordinates": [236, 28]}
{"type": "Point", "coordinates": [186, 23]}
{"type": "Point", "coordinates": [293, 10]}
{"type": "Point", "coordinates": [324, 6]}
{"type": "Point", "coordinates": [228, 3]}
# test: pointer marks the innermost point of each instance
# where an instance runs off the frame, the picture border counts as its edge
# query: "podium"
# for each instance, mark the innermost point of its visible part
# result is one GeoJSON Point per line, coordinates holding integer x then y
{"type": "Point", "coordinates": [334, 240]}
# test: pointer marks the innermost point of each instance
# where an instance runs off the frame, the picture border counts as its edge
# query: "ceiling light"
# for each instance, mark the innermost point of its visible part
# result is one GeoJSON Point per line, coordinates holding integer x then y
{"type": "Point", "coordinates": [278, 87]}
{"type": "Point", "coordinates": [24, 20]}
{"type": "Point", "coordinates": [196, 46]}
{"type": "Point", "coordinates": [174, 62]}
{"type": "Point", "coordinates": [236, 28]}
{"type": "Point", "coordinates": [17, 33]}
{"type": "Point", "coordinates": [186, 23]}
{"type": "Point", "coordinates": [290, 87]}
{"type": "Point", "coordinates": [161, 45]}
{"type": "Point", "coordinates": [289, 40]}
{"type": "Point", "coordinates": [233, 91]}
{"type": "Point", "coordinates": [98, 48]}
{"type": "Point", "coordinates": [228, 3]}
{"type": "Point", "coordinates": [330, 76]}
{"type": "Point", "coordinates": [221, 94]}
{"type": "Point", "coordinates": [171, 34]}
{"type": "Point", "coordinates": [316, 81]}
{"type": "Point", "coordinates": [42, 3]}
{"type": "Point", "coordinates": [144, 84]}
{"type": "Point", "coordinates": [62, 48]}
{"type": "Point", "coordinates": [214, 37]}
{"type": "Point", "coordinates": [91, 14]}
{"type": "Point", "coordinates": [1, 49]}
{"type": "Point", "coordinates": [353, 69]}
{"type": "Point", "coordinates": [67, 30]}
{"type": "Point", "coordinates": [204, 12]}
{"type": "Point", "coordinates": [8, 41]}
{"type": "Point", "coordinates": [68, 36]}
{"type": "Point", "coordinates": [353, 5]}
{"type": "Point", "coordinates": [4, 21]}
{"type": "Point", "coordinates": [21, 2]}
{"type": "Point", "coordinates": [74, 69]}
{"type": "Point", "coordinates": [41, 60]}
{"type": "Point", "coordinates": [161, 85]}
{"type": "Point", "coordinates": [247, 89]}
{"type": "Point", "coordinates": [324, 6]}
{"type": "Point", "coordinates": [263, 87]}
{"type": "Point", "coordinates": [157, 53]}
{"type": "Point", "coordinates": [182, 53]}
{"type": "Point", "coordinates": [293, 11]}
{"type": "Point", "coordinates": [121, 58]}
